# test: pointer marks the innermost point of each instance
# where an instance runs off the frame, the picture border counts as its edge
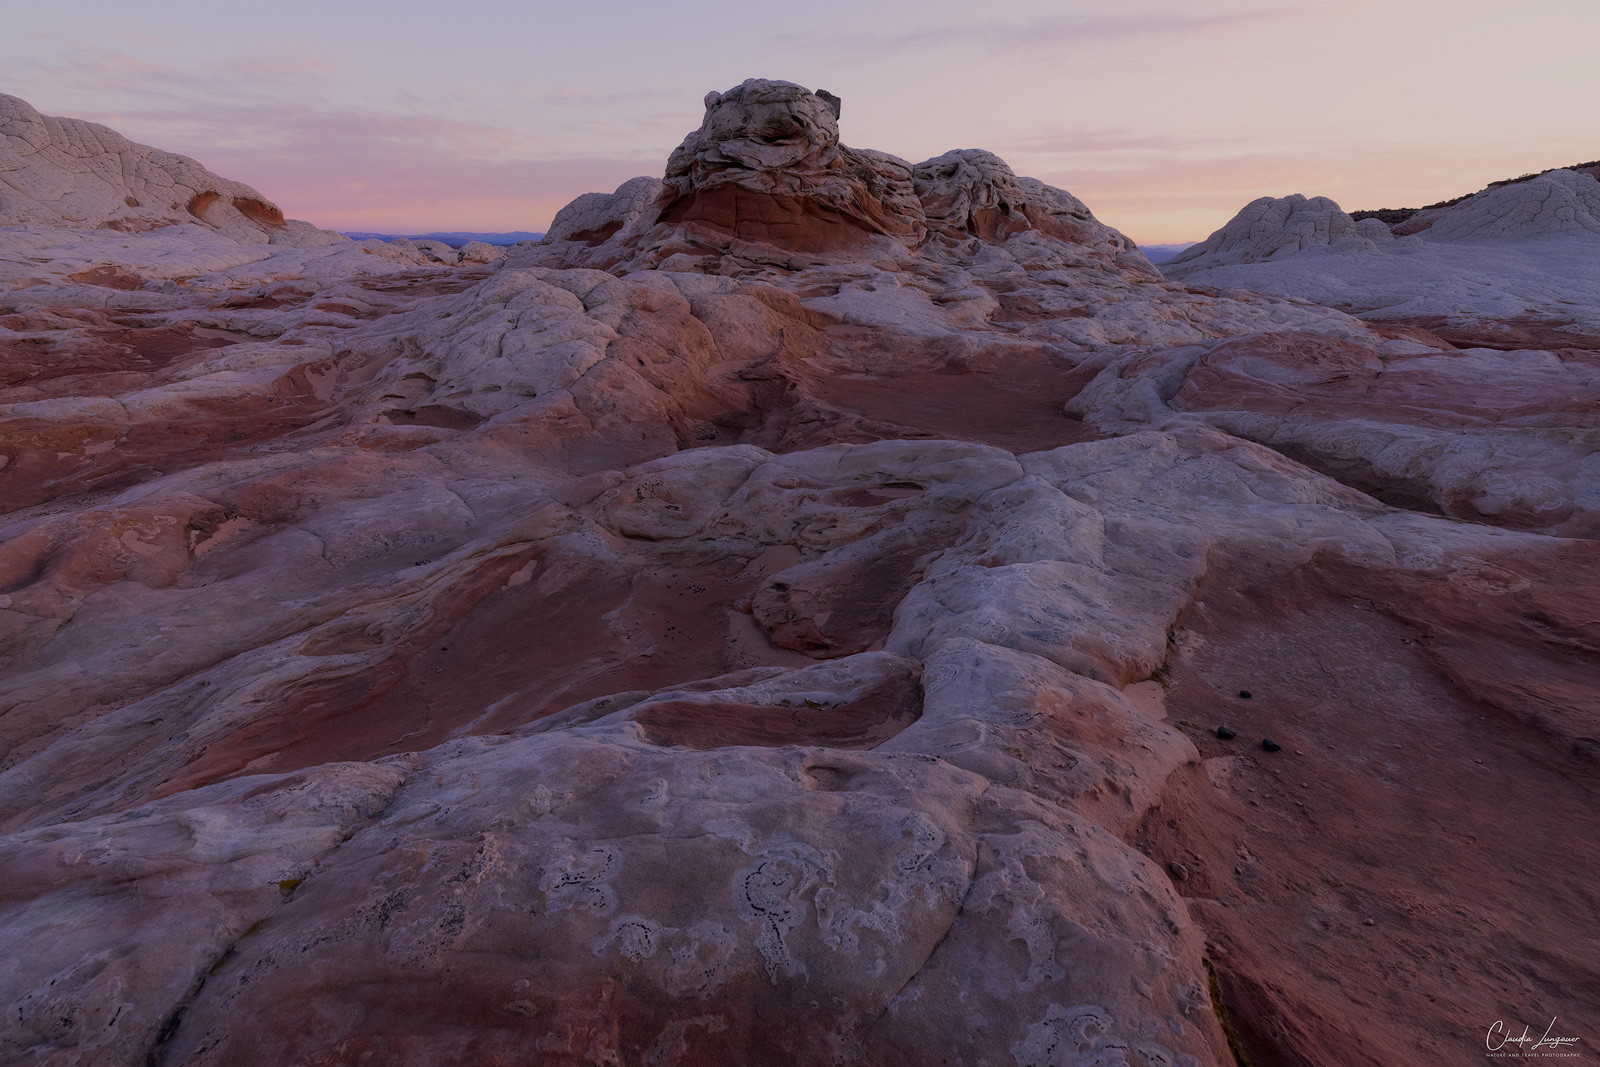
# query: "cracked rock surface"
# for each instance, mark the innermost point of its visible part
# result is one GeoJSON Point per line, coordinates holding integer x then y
{"type": "Point", "coordinates": [1515, 266]}
{"type": "Point", "coordinates": [783, 617]}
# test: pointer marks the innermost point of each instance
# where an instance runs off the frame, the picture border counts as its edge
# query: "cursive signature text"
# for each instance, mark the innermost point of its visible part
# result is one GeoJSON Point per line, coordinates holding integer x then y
{"type": "Point", "coordinates": [1501, 1033]}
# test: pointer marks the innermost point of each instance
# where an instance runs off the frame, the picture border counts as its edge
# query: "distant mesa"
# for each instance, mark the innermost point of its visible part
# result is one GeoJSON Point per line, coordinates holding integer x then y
{"type": "Point", "coordinates": [454, 238]}
{"type": "Point", "coordinates": [1162, 253]}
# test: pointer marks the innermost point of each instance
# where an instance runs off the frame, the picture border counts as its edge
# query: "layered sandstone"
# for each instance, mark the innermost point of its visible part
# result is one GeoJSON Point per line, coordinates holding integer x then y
{"type": "Point", "coordinates": [766, 181]}
{"type": "Point", "coordinates": [781, 618]}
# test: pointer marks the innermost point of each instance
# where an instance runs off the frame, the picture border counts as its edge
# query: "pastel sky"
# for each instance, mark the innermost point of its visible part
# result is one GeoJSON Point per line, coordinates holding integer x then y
{"type": "Point", "coordinates": [1165, 116]}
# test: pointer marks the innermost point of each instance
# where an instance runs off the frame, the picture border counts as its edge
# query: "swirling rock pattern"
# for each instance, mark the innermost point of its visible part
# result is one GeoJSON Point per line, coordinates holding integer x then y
{"type": "Point", "coordinates": [781, 618]}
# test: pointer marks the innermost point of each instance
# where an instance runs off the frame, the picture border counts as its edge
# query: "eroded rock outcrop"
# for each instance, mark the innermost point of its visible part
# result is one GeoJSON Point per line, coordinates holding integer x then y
{"type": "Point", "coordinates": [1272, 227]}
{"type": "Point", "coordinates": [766, 181]}
{"type": "Point", "coordinates": [72, 173]}
{"type": "Point", "coordinates": [1481, 435]}
{"type": "Point", "coordinates": [1558, 202]}
{"type": "Point", "coordinates": [1514, 266]}
{"type": "Point", "coordinates": [781, 618]}
{"type": "Point", "coordinates": [766, 166]}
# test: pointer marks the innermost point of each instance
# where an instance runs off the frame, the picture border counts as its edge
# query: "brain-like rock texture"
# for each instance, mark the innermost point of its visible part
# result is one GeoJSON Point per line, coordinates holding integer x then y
{"type": "Point", "coordinates": [783, 617]}
{"type": "Point", "coordinates": [1514, 266]}
{"type": "Point", "coordinates": [1560, 202]}
{"type": "Point", "coordinates": [67, 172]}
{"type": "Point", "coordinates": [766, 179]}
{"type": "Point", "coordinates": [1273, 227]}
{"type": "Point", "coordinates": [766, 165]}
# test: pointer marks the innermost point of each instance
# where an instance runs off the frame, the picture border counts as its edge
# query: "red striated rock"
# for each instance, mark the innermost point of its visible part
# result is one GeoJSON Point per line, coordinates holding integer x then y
{"type": "Point", "coordinates": [110, 277]}
{"type": "Point", "coordinates": [1513, 334]}
{"type": "Point", "coordinates": [765, 180]}
{"type": "Point", "coordinates": [871, 710]}
{"type": "Point", "coordinates": [704, 638]}
{"type": "Point", "coordinates": [1422, 817]}
{"type": "Point", "coordinates": [1479, 435]}
{"type": "Point", "coordinates": [766, 165]}
{"type": "Point", "coordinates": [844, 602]}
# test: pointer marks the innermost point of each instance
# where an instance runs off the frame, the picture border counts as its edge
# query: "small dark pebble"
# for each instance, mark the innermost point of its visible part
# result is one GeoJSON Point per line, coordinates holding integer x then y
{"type": "Point", "coordinates": [1270, 745]}
{"type": "Point", "coordinates": [1225, 733]}
{"type": "Point", "coordinates": [1244, 694]}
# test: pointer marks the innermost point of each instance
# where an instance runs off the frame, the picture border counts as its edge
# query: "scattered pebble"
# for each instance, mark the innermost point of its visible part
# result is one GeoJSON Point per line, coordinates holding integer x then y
{"type": "Point", "coordinates": [1244, 694]}
{"type": "Point", "coordinates": [1369, 922]}
{"type": "Point", "coordinates": [1225, 733]}
{"type": "Point", "coordinates": [1270, 745]}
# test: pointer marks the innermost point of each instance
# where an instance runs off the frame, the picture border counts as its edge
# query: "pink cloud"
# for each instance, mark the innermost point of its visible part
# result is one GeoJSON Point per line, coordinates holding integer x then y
{"type": "Point", "coordinates": [1185, 196]}
{"type": "Point", "coordinates": [351, 167]}
{"type": "Point", "coordinates": [1007, 36]}
{"type": "Point", "coordinates": [440, 150]}
{"type": "Point", "coordinates": [354, 170]}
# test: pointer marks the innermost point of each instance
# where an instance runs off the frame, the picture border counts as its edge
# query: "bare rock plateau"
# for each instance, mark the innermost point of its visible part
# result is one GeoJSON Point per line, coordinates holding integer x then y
{"type": "Point", "coordinates": [785, 617]}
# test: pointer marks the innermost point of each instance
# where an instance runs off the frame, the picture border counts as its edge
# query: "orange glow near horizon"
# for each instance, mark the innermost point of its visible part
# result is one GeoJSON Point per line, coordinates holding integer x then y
{"type": "Point", "coordinates": [1165, 117]}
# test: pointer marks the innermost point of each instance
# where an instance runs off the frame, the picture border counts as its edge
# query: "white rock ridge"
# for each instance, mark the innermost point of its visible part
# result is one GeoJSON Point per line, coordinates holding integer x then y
{"type": "Point", "coordinates": [57, 172]}
{"type": "Point", "coordinates": [1274, 227]}
{"type": "Point", "coordinates": [1529, 251]}
{"type": "Point", "coordinates": [1560, 202]}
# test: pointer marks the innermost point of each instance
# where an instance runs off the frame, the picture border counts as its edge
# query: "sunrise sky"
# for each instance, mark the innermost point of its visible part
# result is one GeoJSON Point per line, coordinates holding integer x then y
{"type": "Point", "coordinates": [1165, 116]}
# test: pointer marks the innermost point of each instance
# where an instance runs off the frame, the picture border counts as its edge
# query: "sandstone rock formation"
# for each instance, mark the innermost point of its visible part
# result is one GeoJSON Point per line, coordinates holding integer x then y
{"type": "Point", "coordinates": [1560, 202]}
{"type": "Point", "coordinates": [765, 180]}
{"type": "Point", "coordinates": [766, 165]}
{"type": "Point", "coordinates": [67, 172]}
{"type": "Point", "coordinates": [781, 618]}
{"type": "Point", "coordinates": [1274, 227]}
{"type": "Point", "coordinates": [1517, 265]}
